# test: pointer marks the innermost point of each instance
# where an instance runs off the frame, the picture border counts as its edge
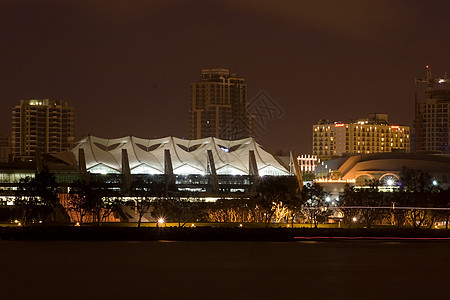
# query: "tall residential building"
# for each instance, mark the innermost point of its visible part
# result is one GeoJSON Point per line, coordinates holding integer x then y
{"type": "Point", "coordinates": [219, 106]}
{"type": "Point", "coordinates": [41, 124]}
{"type": "Point", "coordinates": [432, 122]}
{"type": "Point", "coordinates": [372, 135]}
{"type": "Point", "coordinates": [5, 148]}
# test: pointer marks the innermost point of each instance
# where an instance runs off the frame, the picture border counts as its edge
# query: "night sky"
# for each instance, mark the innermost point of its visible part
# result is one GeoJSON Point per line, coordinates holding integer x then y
{"type": "Point", "coordinates": [126, 66]}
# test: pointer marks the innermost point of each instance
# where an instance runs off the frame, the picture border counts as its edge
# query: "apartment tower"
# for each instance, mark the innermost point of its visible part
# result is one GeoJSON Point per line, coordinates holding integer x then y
{"type": "Point", "coordinates": [42, 125]}
{"type": "Point", "coordinates": [219, 106]}
{"type": "Point", "coordinates": [432, 122]}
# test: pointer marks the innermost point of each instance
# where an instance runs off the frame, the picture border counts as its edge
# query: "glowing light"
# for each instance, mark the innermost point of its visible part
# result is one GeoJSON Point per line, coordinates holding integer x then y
{"type": "Point", "coordinates": [339, 125]}
{"type": "Point", "coordinates": [19, 224]}
{"type": "Point", "coordinates": [435, 183]}
{"type": "Point", "coordinates": [160, 220]}
{"type": "Point", "coordinates": [336, 180]}
{"type": "Point", "coordinates": [354, 219]}
{"type": "Point", "coordinates": [192, 225]}
{"type": "Point", "coordinates": [395, 127]}
{"type": "Point", "coordinates": [77, 224]}
{"type": "Point", "coordinates": [240, 225]}
{"type": "Point", "coordinates": [390, 182]}
{"type": "Point", "coordinates": [328, 199]}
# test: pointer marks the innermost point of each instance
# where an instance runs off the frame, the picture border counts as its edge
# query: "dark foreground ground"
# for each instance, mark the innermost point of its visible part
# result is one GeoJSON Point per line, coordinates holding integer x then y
{"type": "Point", "coordinates": [224, 270]}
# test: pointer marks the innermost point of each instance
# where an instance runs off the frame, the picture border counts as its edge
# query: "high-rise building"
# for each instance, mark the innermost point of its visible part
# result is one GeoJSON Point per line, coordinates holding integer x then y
{"type": "Point", "coordinates": [42, 125]}
{"type": "Point", "coordinates": [219, 106]}
{"type": "Point", "coordinates": [5, 148]}
{"type": "Point", "coordinates": [372, 135]}
{"type": "Point", "coordinates": [432, 122]}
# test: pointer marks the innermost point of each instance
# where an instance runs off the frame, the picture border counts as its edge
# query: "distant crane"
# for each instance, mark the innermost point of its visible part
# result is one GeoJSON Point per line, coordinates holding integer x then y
{"type": "Point", "coordinates": [430, 80]}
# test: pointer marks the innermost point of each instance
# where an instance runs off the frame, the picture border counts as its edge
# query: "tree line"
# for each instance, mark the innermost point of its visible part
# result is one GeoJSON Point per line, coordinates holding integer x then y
{"type": "Point", "coordinates": [277, 200]}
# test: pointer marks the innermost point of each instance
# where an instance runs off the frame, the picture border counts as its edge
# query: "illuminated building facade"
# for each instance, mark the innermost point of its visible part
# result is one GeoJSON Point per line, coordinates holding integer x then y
{"type": "Point", "coordinates": [432, 123]}
{"type": "Point", "coordinates": [219, 106]}
{"type": "Point", "coordinates": [206, 169]}
{"type": "Point", "coordinates": [307, 163]}
{"type": "Point", "coordinates": [42, 125]}
{"type": "Point", "coordinates": [372, 135]}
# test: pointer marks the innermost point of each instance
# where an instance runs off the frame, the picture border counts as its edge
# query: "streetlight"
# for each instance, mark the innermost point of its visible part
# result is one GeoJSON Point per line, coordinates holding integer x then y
{"type": "Point", "coordinates": [354, 219]}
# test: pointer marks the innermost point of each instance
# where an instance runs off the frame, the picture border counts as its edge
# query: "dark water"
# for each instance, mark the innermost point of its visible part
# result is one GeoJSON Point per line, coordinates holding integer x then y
{"type": "Point", "coordinates": [225, 270]}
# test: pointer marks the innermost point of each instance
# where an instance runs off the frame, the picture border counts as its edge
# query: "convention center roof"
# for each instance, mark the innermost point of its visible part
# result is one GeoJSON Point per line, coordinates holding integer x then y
{"type": "Point", "coordinates": [147, 156]}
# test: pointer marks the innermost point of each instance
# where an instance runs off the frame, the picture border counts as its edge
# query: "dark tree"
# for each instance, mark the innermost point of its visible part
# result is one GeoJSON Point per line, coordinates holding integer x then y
{"type": "Point", "coordinates": [94, 199]}
{"type": "Point", "coordinates": [369, 203]}
{"type": "Point", "coordinates": [79, 197]}
{"type": "Point", "coordinates": [372, 199]}
{"type": "Point", "coordinates": [143, 197]}
{"type": "Point", "coordinates": [178, 209]}
{"type": "Point", "coordinates": [349, 202]}
{"type": "Point", "coordinates": [272, 191]}
{"type": "Point", "coordinates": [416, 191]}
{"type": "Point", "coordinates": [315, 207]}
{"type": "Point", "coordinates": [38, 195]}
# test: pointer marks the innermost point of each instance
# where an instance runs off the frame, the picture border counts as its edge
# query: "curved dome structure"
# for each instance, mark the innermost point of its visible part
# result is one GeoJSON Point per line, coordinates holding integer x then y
{"type": "Point", "coordinates": [148, 156]}
{"type": "Point", "coordinates": [386, 166]}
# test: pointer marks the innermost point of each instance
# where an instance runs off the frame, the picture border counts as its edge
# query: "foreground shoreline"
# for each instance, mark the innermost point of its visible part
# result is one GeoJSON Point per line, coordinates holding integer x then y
{"type": "Point", "coordinates": [107, 233]}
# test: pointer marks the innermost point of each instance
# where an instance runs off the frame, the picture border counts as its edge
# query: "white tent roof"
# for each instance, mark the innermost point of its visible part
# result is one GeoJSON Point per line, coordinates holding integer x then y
{"type": "Point", "coordinates": [188, 156]}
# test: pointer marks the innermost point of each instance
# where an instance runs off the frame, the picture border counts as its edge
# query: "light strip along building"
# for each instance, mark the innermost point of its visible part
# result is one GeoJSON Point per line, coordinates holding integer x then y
{"type": "Point", "coordinates": [363, 136]}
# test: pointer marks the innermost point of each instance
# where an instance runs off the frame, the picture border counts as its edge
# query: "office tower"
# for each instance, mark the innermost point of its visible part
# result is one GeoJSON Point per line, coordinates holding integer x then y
{"type": "Point", "coordinates": [42, 125]}
{"type": "Point", "coordinates": [432, 122]}
{"type": "Point", "coordinates": [372, 135]}
{"type": "Point", "coordinates": [5, 148]}
{"type": "Point", "coordinates": [219, 106]}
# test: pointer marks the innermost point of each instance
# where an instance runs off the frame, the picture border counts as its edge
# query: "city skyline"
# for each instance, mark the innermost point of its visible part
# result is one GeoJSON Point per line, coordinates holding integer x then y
{"type": "Point", "coordinates": [127, 67]}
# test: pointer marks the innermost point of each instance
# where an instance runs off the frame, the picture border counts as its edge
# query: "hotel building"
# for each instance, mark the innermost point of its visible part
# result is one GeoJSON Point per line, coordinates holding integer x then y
{"type": "Point", "coordinates": [372, 135]}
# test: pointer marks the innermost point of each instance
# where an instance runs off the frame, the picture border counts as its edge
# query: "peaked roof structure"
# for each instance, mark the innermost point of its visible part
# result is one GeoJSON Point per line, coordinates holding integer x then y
{"type": "Point", "coordinates": [147, 156]}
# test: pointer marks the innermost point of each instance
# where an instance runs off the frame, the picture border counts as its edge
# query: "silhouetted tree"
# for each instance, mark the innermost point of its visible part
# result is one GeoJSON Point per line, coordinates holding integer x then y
{"type": "Point", "coordinates": [315, 207]}
{"type": "Point", "coordinates": [348, 200]}
{"type": "Point", "coordinates": [38, 194]}
{"type": "Point", "coordinates": [143, 197]}
{"type": "Point", "coordinates": [94, 199]}
{"type": "Point", "coordinates": [443, 200]}
{"type": "Point", "coordinates": [368, 202]}
{"type": "Point", "coordinates": [271, 192]}
{"type": "Point", "coordinates": [416, 191]}
{"type": "Point", "coordinates": [79, 197]}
